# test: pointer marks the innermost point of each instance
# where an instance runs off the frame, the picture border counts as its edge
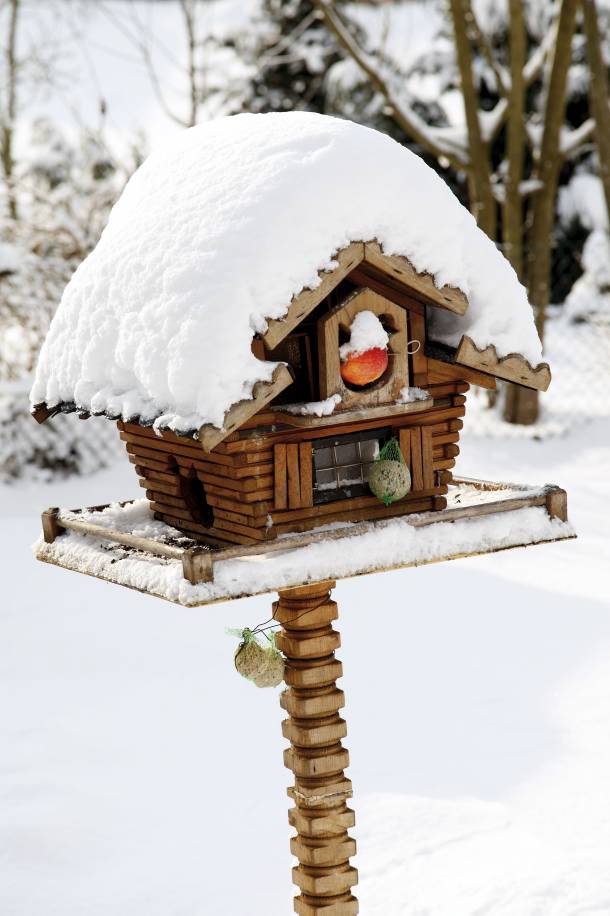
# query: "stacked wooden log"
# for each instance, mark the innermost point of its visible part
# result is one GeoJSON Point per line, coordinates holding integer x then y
{"type": "Point", "coordinates": [316, 755]}
{"type": "Point", "coordinates": [257, 484]}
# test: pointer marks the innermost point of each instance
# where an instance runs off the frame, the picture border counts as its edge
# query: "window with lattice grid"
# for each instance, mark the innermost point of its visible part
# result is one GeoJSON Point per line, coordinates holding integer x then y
{"type": "Point", "coordinates": [341, 463]}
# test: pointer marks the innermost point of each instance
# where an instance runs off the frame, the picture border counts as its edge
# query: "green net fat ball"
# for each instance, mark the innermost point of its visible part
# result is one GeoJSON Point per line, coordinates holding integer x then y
{"type": "Point", "coordinates": [273, 673]}
{"type": "Point", "coordinates": [389, 480]}
{"type": "Point", "coordinates": [261, 664]}
{"type": "Point", "coordinates": [250, 659]}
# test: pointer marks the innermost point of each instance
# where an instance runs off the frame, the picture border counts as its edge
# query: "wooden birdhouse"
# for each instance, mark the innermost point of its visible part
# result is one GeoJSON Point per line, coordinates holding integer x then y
{"type": "Point", "coordinates": [371, 346]}
{"type": "Point", "coordinates": [284, 316]}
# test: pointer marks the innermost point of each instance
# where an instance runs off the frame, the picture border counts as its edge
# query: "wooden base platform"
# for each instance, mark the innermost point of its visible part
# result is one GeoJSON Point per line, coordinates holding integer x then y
{"type": "Point", "coordinates": [123, 543]}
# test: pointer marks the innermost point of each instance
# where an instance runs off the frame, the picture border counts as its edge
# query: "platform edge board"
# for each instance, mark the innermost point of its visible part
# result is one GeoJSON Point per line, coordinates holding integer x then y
{"type": "Point", "coordinates": [234, 597]}
{"type": "Point", "coordinates": [198, 562]}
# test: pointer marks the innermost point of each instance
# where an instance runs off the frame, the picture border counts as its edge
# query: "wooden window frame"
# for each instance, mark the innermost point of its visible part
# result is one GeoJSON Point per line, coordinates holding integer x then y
{"type": "Point", "coordinates": [387, 389]}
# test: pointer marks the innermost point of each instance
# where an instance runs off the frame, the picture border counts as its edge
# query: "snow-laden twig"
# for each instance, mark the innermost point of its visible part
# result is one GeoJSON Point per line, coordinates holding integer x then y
{"type": "Point", "coordinates": [429, 138]}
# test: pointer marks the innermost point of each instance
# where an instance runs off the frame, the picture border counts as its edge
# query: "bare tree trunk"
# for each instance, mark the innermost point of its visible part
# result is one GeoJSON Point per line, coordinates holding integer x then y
{"type": "Point", "coordinates": [189, 14]}
{"type": "Point", "coordinates": [598, 94]}
{"type": "Point", "coordinates": [521, 405]}
{"type": "Point", "coordinates": [512, 209]}
{"type": "Point", "coordinates": [8, 119]}
{"type": "Point", "coordinates": [482, 202]}
{"type": "Point", "coordinates": [549, 165]}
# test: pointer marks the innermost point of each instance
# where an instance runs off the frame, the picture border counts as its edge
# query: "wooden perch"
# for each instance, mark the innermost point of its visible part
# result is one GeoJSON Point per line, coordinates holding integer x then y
{"type": "Point", "coordinates": [513, 368]}
{"type": "Point", "coordinates": [263, 392]}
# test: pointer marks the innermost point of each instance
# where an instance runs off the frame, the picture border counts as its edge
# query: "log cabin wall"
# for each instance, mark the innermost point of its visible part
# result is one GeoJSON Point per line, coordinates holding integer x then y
{"type": "Point", "coordinates": [258, 482]}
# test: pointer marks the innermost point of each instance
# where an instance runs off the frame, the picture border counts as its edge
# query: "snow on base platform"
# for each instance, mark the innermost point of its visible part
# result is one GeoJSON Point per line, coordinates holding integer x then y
{"type": "Point", "coordinates": [385, 545]}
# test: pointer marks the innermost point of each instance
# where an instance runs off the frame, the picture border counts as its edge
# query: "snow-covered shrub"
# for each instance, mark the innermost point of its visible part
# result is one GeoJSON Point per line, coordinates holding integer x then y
{"type": "Point", "coordinates": [64, 194]}
{"type": "Point", "coordinates": [582, 203]}
{"type": "Point", "coordinates": [590, 295]}
{"type": "Point", "coordinates": [63, 445]}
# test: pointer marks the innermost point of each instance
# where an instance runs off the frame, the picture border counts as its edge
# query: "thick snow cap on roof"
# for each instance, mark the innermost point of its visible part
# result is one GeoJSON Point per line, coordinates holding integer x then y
{"type": "Point", "coordinates": [220, 228]}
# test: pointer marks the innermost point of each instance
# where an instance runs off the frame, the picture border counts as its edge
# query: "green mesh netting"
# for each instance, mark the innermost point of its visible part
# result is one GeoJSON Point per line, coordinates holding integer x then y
{"type": "Point", "coordinates": [391, 451]}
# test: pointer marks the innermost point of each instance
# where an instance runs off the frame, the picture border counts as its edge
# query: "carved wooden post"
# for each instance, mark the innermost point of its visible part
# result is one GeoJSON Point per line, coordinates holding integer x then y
{"type": "Point", "coordinates": [316, 756]}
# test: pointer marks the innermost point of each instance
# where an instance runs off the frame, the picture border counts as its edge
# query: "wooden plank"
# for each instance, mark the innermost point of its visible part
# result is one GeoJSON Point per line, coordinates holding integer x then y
{"type": "Point", "coordinates": [306, 470]}
{"type": "Point", "coordinates": [280, 485]}
{"type": "Point", "coordinates": [426, 458]}
{"type": "Point", "coordinates": [557, 503]}
{"type": "Point", "coordinates": [357, 515]}
{"type": "Point", "coordinates": [441, 411]}
{"type": "Point", "coordinates": [404, 440]}
{"type": "Point", "coordinates": [444, 451]}
{"type": "Point", "coordinates": [174, 511]}
{"type": "Point", "coordinates": [372, 278]}
{"type": "Point", "coordinates": [241, 519]}
{"type": "Point", "coordinates": [160, 486]}
{"type": "Point", "coordinates": [244, 485]}
{"type": "Point", "coordinates": [439, 439]}
{"type": "Point", "coordinates": [443, 465]}
{"type": "Point", "coordinates": [421, 284]}
{"type": "Point", "coordinates": [158, 497]}
{"type": "Point", "coordinates": [417, 473]}
{"type": "Point", "coordinates": [238, 497]}
{"type": "Point", "coordinates": [324, 511]}
{"type": "Point", "coordinates": [294, 476]}
{"type": "Point", "coordinates": [306, 301]}
{"type": "Point", "coordinates": [147, 463]}
{"type": "Point", "coordinates": [513, 368]}
{"type": "Point", "coordinates": [440, 371]}
{"type": "Point", "coordinates": [449, 413]}
{"type": "Point", "coordinates": [254, 534]}
{"type": "Point", "coordinates": [138, 445]}
{"type": "Point", "coordinates": [419, 361]}
{"type": "Point", "coordinates": [445, 391]}
{"type": "Point", "coordinates": [254, 470]}
{"type": "Point", "coordinates": [245, 444]}
{"type": "Point", "coordinates": [50, 528]}
{"type": "Point", "coordinates": [165, 435]}
{"type": "Point", "coordinates": [83, 526]}
{"type": "Point", "coordinates": [263, 392]}
{"type": "Point", "coordinates": [353, 415]}
{"type": "Point", "coordinates": [261, 509]}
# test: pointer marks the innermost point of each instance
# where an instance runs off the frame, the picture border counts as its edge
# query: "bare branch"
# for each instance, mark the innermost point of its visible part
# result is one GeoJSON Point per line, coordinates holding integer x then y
{"type": "Point", "coordinates": [598, 94]}
{"type": "Point", "coordinates": [501, 76]}
{"type": "Point", "coordinates": [572, 141]}
{"type": "Point", "coordinates": [535, 65]}
{"type": "Point", "coordinates": [515, 141]}
{"type": "Point", "coordinates": [481, 196]}
{"type": "Point", "coordinates": [404, 115]}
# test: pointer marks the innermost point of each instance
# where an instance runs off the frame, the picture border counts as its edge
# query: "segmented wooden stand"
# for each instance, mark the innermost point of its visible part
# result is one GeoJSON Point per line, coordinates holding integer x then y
{"type": "Point", "coordinates": [316, 755]}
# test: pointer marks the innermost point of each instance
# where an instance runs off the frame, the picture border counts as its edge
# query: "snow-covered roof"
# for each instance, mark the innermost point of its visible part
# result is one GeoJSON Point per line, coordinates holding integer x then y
{"type": "Point", "coordinates": [215, 234]}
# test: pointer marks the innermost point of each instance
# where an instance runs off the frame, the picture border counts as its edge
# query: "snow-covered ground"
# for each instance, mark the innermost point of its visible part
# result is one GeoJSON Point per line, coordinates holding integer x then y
{"type": "Point", "coordinates": [140, 776]}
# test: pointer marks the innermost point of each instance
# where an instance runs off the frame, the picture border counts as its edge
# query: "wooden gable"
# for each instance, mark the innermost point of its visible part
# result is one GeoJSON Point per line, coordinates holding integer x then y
{"type": "Point", "coordinates": [366, 265]}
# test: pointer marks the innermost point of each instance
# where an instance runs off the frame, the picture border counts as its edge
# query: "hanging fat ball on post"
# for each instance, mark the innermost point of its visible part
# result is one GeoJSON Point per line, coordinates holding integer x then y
{"type": "Point", "coordinates": [261, 664]}
{"type": "Point", "coordinates": [389, 478]}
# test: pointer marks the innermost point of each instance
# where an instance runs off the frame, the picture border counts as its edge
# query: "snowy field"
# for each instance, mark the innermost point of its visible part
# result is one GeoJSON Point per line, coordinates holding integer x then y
{"type": "Point", "coordinates": [140, 776]}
